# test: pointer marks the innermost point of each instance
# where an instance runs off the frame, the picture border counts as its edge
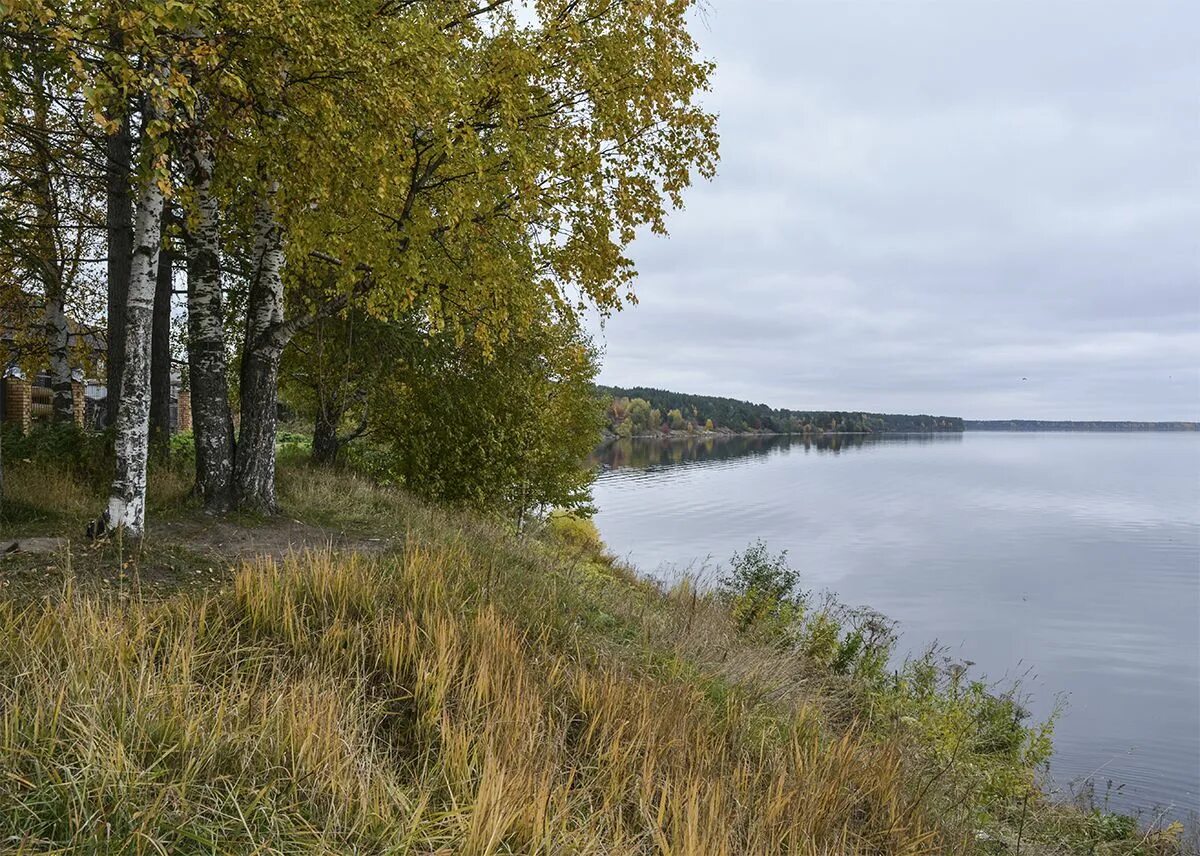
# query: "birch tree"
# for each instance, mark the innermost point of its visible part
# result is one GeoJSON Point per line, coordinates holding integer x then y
{"type": "Point", "coordinates": [127, 495]}
{"type": "Point", "coordinates": [208, 370]}
{"type": "Point", "coordinates": [468, 159]}
{"type": "Point", "coordinates": [118, 225]}
{"type": "Point", "coordinates": [266, 337]}
{"type": "Point", "coordinates": [160, 341]}
{"type": "Point", "coordinates": [118, 54]}
{"type": "Point", "coordinates": [50, 262]}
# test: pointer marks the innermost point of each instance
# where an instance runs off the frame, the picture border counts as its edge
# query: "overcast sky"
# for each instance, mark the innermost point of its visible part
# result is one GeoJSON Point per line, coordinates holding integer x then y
{"type": "Point", "coordinates": [984, 208]}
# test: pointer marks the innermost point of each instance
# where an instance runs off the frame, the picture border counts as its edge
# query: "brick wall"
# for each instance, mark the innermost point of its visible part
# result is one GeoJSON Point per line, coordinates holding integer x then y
{"type": "Point", "coordinates": [18, 403]}
{"type": "Point", "coordinates": [184, 422]}
{"type": "Point", "coordinates": [77, 400]}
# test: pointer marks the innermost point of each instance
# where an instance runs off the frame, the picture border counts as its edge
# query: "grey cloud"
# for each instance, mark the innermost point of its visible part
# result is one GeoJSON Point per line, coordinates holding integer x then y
{"type": "Point", "coordinates": [923, 201]}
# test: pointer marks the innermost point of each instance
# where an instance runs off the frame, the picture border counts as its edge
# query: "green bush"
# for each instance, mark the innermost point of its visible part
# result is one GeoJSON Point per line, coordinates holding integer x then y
{"type": "Point", "coordinates": [764, 597]}
{"type": "Point", "coordinates": [369, 459]}
{"type": "Point", "coordinates": [964, 722]}
{"type": "Point", "coordinates": [183, 447]}
{"type": "Point", "coordinates": [293, 440]}
{"type": "Point", "coordinates": [574, 530]}
{"type": "Point", "coordinates": [1108, 827]}
{"type": "Point", "coordinates": [763, 592]}
{"type": "Point", "coordinates": [86, 455]}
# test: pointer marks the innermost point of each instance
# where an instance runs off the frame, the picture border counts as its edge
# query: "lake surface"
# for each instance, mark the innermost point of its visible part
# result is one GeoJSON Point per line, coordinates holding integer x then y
{"type": "Point", "coordinates": [1070, 560]}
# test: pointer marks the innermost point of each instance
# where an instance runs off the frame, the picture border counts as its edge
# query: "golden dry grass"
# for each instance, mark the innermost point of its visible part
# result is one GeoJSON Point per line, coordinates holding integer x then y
{"type": "Point", "coordinates": [44, 497]}
{"type": "Point", "coordinates": [49, 487]}
{"type": "Point", "coordinates": [330, 704]}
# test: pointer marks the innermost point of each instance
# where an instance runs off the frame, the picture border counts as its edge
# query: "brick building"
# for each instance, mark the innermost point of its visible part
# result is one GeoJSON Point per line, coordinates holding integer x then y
{"type": "Point", "coordinates": [27, 399]}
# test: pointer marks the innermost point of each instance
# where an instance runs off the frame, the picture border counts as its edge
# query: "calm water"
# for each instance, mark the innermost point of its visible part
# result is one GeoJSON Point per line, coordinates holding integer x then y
{"type": "Point", "coordinates": [1071, 560]}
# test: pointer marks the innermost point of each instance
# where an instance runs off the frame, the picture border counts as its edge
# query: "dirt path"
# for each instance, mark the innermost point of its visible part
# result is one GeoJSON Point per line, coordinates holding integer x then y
{"type": "Point", "coordinates": [237, 542]}
{"type": "Point", "coordinates": [180, 554]}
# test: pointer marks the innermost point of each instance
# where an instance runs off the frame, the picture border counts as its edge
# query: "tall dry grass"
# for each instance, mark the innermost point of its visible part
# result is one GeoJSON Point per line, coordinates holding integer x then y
{"type": "Point", "coordinates": [332, 704]}
{"type": "Point", "coordinates": [47, 497]}
{"type": "Point", "coordinates": [55, 489]}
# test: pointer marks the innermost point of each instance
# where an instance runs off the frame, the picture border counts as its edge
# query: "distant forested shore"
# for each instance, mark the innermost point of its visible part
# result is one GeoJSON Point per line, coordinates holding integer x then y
{"type": "Point", "coordinates": [1061, 425]}
{"type": "Point", "coordinates": [640, 411]}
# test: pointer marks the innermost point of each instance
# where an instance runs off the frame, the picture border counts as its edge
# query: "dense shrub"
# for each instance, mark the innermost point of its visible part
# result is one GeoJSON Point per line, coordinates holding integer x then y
{"type": "Point", "coordinates": [764, 597]}
{"type": "Point", "coordinates": [506, 432]}
{"type": "Point", "coordinates": [86, 455]}
{"type": "Point", "coordinates": [574, 530]}
{"type": "Point", "coordinates": [762, 592]}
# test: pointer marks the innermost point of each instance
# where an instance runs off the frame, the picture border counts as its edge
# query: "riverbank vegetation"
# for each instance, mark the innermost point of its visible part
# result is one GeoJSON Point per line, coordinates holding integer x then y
{"type": "Point", "coordinates": [642, 411]}
{"type": "Point", "coordinates": [437, 683]}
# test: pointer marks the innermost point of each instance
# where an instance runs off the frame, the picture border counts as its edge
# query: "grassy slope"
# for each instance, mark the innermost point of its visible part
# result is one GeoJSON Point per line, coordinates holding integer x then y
{"type": "Point", "coordinates": [461, 692]}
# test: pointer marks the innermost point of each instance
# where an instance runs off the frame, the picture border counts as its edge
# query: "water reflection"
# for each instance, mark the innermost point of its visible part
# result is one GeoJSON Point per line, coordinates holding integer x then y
{"type": "Point", "coordinates": [647, 453]}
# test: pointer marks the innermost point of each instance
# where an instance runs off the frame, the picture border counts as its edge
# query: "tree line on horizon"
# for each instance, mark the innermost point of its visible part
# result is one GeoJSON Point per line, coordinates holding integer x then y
{"type": "Point", "coordinates": [1074, 425]}
{"type": "Point", "coordinates": [391, 213]}
{"type": "Point", "coordinates": [635, 411]}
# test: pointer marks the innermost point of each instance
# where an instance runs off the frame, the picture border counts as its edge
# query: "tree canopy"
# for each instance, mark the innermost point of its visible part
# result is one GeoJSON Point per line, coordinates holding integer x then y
{"type": "Point", "coordinates": [464, 175]}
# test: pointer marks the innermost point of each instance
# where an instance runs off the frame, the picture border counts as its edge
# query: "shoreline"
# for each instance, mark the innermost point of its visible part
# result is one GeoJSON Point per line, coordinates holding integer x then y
{"type": "Point", "coordinates": [1066, 428]}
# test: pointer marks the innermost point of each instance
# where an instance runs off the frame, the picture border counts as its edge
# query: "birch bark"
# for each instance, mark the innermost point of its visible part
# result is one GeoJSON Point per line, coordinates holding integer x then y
{"type": "Point", "coordinates": [119, 227]}
{"type": "Point", "coordinates": [58, 341]}
{"type": "Point", "coordinates": [127, 496]}
{"type": "Point", "coordinates": [208, 368]}
{"type": "Point", "coordinates": [254, 465]}
{"type": "Point", "coordinates": [160, 355]}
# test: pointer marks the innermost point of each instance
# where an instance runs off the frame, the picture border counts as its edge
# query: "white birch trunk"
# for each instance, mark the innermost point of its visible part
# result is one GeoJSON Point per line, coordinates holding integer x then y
{"type": "Point", "coordinates": [266, 307]}
{"type": "Point", "coordinates": [127, 497]}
